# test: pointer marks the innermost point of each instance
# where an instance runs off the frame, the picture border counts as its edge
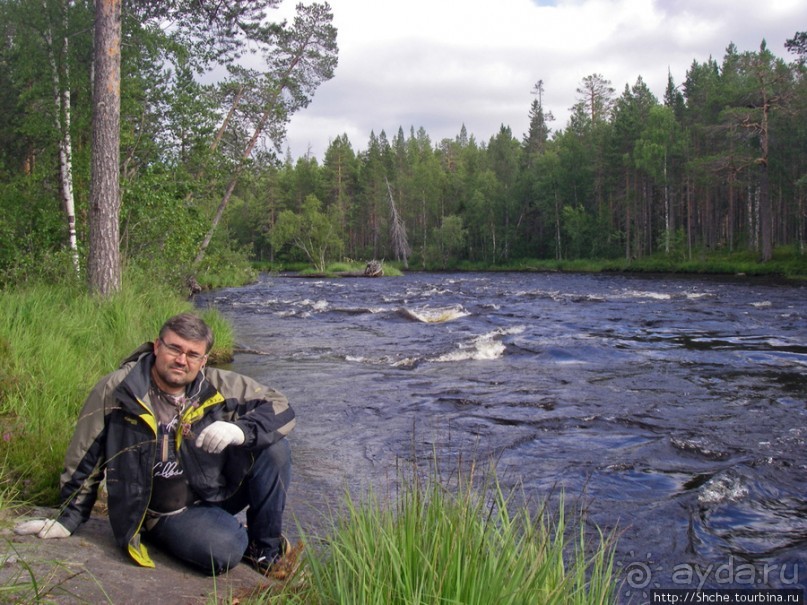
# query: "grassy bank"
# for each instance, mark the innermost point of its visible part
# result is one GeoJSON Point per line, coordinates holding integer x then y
{"type": "Point", "coordinates": [56, 341]}
{"type": "Point", "coordinates": [349, 268]}
{"type": "Point", "coordinates": [336, 269]}
{"type": "Point", "coordinates": [788, 262]}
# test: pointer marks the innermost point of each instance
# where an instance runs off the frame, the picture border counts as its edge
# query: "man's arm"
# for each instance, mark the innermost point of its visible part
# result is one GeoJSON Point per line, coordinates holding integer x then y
{"type": "Point", "coordinates": [262, 413]}
{"type": "Point", "coordinates": [85, 456]}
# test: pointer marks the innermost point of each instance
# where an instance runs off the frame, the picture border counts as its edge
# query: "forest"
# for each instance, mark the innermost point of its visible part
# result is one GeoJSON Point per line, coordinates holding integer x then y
{"type": "Point", "coordinates": [200, 181]}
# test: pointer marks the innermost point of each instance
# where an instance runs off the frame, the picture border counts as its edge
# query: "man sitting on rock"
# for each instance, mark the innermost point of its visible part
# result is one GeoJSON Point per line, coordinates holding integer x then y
{"type": "Point", "coordinates": [183, 448]}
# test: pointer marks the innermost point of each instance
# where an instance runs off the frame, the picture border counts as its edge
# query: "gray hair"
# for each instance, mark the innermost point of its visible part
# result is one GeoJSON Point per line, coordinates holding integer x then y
{"type": "Point", "coordinates": [189, 327]}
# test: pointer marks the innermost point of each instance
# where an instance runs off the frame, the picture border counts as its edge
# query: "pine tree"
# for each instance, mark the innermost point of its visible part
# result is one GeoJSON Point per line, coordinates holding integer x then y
{"type": "Point", "coordinates": [538, 134]}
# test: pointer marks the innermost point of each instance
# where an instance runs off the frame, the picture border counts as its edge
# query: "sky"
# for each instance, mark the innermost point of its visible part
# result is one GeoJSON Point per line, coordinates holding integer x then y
{"type": "Point", "coordinates": [439, 64]}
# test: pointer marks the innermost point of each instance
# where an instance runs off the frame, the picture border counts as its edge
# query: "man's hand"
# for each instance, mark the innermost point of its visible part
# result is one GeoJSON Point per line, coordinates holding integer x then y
{"type": "Point", "coordinates": [219, 435]}
{"type": "Point", "coordinates": [43, 528]}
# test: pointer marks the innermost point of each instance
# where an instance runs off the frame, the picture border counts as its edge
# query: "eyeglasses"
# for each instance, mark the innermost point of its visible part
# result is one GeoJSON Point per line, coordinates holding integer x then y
{"type": "Point", "coordinates": [175, 351]}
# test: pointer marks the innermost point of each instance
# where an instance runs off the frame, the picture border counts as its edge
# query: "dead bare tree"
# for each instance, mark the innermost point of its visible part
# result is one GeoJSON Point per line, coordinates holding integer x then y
{"type": "Point", "coordinates": [400, 243]}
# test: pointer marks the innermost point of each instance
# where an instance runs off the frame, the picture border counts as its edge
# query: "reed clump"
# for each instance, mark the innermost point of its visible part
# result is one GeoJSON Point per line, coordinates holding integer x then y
{"type": "Point", "coordinates": [465, 544]}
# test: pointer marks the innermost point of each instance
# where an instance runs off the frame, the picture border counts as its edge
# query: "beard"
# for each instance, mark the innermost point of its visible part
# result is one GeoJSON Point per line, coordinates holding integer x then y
{"type": "Point", "coordinates": [174, 376]}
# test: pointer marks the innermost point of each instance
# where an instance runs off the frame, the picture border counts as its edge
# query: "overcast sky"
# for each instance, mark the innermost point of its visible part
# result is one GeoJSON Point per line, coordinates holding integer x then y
{"type": "Point", "coordinates": [440, 64]}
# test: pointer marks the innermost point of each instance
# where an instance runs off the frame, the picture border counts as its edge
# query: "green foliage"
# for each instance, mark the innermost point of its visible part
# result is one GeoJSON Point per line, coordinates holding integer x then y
{"type": "Point", "coordinates": [225, 267]}
{"type": "Point", "coordinates": [578, 228]}
{"type": "Point", "coordinates": [312, 232]}
{"type": "Point", "coordinates": [660, 142]}
{"type": "Point", "coordinates": [56, 341]}
{"type": "Point", "coordinates": [788, 262]}
{"type": "Point", "coordinates": [674, 245]}
{"type": "Point", "coordinates": [161, 229]}
{"type": "Point", "coordinates": [448, 242]}
{"type": "Point", "coordinates": [345, 268]}
{"type": "Point", "coordinates": [31, 230]}
{"type": "Point", "coordinates": [442, 543]}
{"type": "Point", "coordinates": [584, 235]}
{"type": "Point", "coordinates": [392, 270]}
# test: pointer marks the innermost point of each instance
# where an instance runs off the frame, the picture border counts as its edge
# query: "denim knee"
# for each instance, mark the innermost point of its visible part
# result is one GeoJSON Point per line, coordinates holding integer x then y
{"type": "Point", "coordinates": [205, 536]}
{"type": "Point", "coordinates": [226, 551]}
{"type": "Point", "coordinates": [277, 455]}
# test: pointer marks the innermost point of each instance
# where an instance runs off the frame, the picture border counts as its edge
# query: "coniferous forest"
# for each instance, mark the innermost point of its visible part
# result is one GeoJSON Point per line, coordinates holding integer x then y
{"type": "Point", "coordinates": [719, 164]}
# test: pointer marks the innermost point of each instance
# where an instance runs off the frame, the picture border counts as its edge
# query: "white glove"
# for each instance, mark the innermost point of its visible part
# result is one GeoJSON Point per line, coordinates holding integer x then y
{"type": "Point", "coordinates": [219, 435]}
{"type": "Point", "coordinates": [43, 528]}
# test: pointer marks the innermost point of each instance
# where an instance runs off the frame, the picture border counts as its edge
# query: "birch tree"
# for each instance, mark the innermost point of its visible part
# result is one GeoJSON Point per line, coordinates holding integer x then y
{"type": "Point", "coordinates": [38, 31]}
{"type": "Point", "coordinates": [312, 232]}
{"type": "Point", "coordinates": [57, 45]}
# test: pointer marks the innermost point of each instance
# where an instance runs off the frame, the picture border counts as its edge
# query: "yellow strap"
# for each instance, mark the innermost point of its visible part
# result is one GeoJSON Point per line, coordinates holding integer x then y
{"type": "Point", "coordinates": [140, 553]}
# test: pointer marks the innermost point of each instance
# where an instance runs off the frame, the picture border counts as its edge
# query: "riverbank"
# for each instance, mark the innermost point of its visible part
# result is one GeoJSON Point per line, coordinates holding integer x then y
{"type": "Point", "coordinates": [788, 264]}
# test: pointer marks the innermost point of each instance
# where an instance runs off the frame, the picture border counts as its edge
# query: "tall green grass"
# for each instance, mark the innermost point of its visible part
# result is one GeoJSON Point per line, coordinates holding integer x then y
{"type": "Point", "coordinates": [469, 545]}
{"type": "Point", "coordinates": [56, 341]}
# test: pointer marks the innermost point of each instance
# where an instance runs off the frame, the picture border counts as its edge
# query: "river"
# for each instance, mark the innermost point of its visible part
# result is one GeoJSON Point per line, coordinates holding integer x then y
{"type": "Point", "coordinates": [672, 409]}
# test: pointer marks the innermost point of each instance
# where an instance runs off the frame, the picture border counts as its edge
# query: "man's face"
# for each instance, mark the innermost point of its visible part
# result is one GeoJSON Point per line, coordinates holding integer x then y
{"type": "Point", "coordinates": [178, 361]}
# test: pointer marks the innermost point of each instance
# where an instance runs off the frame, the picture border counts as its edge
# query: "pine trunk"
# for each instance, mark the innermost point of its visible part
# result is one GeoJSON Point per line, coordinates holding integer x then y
{"type": "Point", "coordinates": [104, 256]}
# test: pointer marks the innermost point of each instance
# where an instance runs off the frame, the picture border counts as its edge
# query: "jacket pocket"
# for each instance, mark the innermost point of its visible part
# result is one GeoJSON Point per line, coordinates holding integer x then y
{"type": "Point", "coordinates": [204, 471]}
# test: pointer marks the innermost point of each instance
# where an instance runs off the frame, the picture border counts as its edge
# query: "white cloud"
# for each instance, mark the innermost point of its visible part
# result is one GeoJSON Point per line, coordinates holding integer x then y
{"type": "Point", "coordinates": [442, 63]}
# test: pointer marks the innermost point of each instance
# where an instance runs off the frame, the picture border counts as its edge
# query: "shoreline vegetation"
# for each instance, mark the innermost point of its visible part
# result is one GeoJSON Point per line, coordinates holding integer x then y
{"type": "Point", "coordinates": [787, 264]}
{"type": "Point", "coordinates": [56, 340]}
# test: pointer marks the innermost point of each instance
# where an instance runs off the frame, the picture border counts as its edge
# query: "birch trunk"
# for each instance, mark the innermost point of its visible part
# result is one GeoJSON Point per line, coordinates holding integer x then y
{"type": "Point", "coordinates": [62, 110]}
{"type": "Point", "coordinates": [667, 211]}
{"type": "Point", "coordinates": [558, 240]}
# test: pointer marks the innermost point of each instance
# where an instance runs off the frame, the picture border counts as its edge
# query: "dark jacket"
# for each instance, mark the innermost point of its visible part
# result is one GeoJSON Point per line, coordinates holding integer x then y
{"type": "Point", "coordinates": [116, 438]}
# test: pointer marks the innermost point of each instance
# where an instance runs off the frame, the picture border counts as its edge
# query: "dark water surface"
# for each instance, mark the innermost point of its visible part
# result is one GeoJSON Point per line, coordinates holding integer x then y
{"type": "Point", "coordinates": [675, 409]}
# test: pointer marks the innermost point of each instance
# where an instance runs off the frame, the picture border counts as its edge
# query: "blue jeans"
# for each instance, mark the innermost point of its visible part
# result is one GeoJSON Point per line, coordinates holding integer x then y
{"type": "Point", "coordinates": [208, 535]}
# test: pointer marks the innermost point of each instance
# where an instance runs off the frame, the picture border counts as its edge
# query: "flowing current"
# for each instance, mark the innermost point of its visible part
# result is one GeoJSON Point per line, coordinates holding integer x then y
{"type": "Point", "coordinates": [673, 410]}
